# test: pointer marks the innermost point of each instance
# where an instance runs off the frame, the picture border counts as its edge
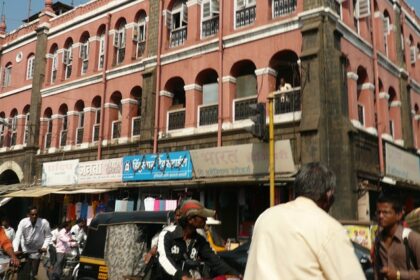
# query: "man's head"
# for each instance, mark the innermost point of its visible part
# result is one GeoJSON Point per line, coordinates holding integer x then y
{"type": "Point", "coordinates": [316, 182]}
{"type": "Point", "coordinates": [193, 213]}
{"type": "Point", "coordinates": [5, 223]}
{"type": "Point", "coordinates": [389, 210]}
{"type": "Point", "coordinates": [282, 82]}
{"type": "Point", "coordinates": [81, 222]}
{"type": "Point", "coordinates": [33, 214]}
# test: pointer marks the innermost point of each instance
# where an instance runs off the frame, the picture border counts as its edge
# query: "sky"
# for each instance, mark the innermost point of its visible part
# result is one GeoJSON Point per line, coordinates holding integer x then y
{"type": "Point", "coordinates": [17, 10]}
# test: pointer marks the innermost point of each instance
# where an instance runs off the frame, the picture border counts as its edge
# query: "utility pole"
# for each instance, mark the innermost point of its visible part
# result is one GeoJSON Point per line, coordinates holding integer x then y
{"type": "Point", "coordinates": [271, 145]}
{"type": "Point", "coordinates": [29, 9]}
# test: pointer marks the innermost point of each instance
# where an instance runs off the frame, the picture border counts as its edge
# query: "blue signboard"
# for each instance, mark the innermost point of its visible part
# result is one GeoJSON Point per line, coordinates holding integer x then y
{"type": "Point", "coordinates": [164, 166]}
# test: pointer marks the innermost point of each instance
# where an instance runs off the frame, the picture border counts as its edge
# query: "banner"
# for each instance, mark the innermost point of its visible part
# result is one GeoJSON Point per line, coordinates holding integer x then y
{"type": "Point", "coordinates": [401, 164]}
{"type": "Point", "coordinates": [59, 173]}
{"type": "Point", "coordinates": [100, 171]}
{"type": "Point", "coordinates": [164, 166]}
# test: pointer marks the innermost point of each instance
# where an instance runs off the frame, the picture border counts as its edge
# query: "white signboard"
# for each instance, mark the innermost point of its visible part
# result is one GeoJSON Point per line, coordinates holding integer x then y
{"type": "Point", "coordinates": [59, 173]}
{"type": "Point", "coordinates": [248, 159]}
{"type": "Point", "coordinates": [401, 164]}
{"type": "Point", "coordinates": [99, 171]}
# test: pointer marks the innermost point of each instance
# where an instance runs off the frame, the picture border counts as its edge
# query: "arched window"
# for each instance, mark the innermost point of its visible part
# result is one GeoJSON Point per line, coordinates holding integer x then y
{"type": "Point", "coordinates": [101, 48]}
{"type": "Point", "coordinates": [139, 34]}
{"type": "Point", "coordinates": [27, 127]}
{"type": "Point", "coordinates": [119, 42]}
{"type": "Point", "coordinates": [2, 128]}
{"type": "Point", "coordinates": [84, 53]}
{"type": "Point", "coordinates": [387, 30]}
{"type": "Point", "coordinates": [54, 64]}
{"type": "Point", "coordinates": [7, 75]}
{"type": "Point", "coordinates": [49, 126]}
{"type": "Point", "coordinates": [176, 21]}
{"type": "Point", "coordinates": [30, 66]}
{"type": "Point", "coordinates": [13, 127]}
{"type": "Point", "coordinates": [413, 50]}
{"type": "Point", "coordinates": [68, 59]}
{"type": "Point", "coordinates": [64, 124]}
{"type": "Point", "coordinates": [96, 104]}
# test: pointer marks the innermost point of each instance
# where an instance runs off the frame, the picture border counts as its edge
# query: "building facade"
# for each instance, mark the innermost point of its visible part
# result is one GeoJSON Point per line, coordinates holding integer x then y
{"type": "Point", "coordinates": [112, 78]}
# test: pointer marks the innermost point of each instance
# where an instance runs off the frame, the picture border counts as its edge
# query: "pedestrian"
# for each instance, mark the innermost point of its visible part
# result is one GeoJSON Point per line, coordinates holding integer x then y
{"type": "Point", "coordinates": [10, 232]}
{"type": "Point", "coordinates": [33, 235]}
{"type": "Point", "coordinates": [396, 249]}
{"type": "Point", "coordinates": [298, 239]}
{"type": "Point", "coordinates": [78, 232]}
{"type": "Point", "coordinates": [64, 243]}
{"type": "Point", "coordinates": [180, 247]}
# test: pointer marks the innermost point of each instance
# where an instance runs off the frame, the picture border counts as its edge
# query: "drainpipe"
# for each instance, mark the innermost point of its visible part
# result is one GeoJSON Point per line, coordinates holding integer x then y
{"type": "Point", "coordinates": [376, 75]}
{"type": "Point", "coordinates": [158, 70]}
{"type": "Point", "coordinates": [104, 89]}
{"type": "Point", "coordinates": [220, 97]}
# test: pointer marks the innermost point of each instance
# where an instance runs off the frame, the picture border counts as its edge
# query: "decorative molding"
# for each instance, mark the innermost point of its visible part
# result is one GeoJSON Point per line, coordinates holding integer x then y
{"type": "Point", "coordinates": [366, 86]}
{"type": "Point", "coordinates": [193, 87]}
{"type": "Point", "coordinates": [129, 101]}
{"type": "Point", "coordinates": [193, 2]}
{"type": "Point", "coordinates": [73, 113]}
{"type": "Point", "coordinates": [417, 117]}
{"type": "Point", "coordinates": [111, 105]}
{"type": "Point", "coordinates": [166, 94]}
{"type": "Point", "coordinates": [396, 103]}
{"type": "Point", "coordinates": [383, 95]}
{"type": "Point", "coordinates": [57, 116]}
{"type": "Point", "coordinates": [387, 136]}
{"type": "Point", "coordinates": [229, 79]}
{"type": "Point", "coordinates": [266, 70]}
{"type": "Point", "coordinates": [352, 76]}
{"type": "Point", "coordinates": [399, 142]}
{"type": "Point", "coordinates": [89, 109]}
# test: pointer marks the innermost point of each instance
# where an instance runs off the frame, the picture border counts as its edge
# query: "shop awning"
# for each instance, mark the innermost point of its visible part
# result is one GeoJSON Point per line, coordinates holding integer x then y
{"type": "Point", "coordinates": [4, 200]}
{"type": "Point", "coordinates": [87, 191]}
{"type": "Point", "coordinates": [32, 192]}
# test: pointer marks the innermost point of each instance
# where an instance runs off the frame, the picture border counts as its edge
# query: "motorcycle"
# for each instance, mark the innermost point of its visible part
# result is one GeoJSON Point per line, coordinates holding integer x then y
{"type": "Point", "coordinates": [200, 271]}
{"type": "Point", "coordinates": [6, 272]}
{"type": "Point", "coordinates": [71, 264]}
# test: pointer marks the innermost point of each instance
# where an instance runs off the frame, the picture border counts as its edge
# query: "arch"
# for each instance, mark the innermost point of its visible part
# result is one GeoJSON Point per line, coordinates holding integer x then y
{"type": "Point", "coordinates": [68, 43]}
{"type": "Point", "coordinates": [84, 37]}
{"type": "Point", "coordinates": [120, 23]}
{"type": "Point", "coordinates": [387, 15]}
{"type": "Point", "coordinates": [246, 79]}
{"type": "Point", "coordinates": [206, 76]}
{"type": "Point", "coordinates": [286, 64]}
{"type": "Point", "coordinates": [79, 105]}
{"type": "Point", "coordinates": [96, 102]}
{"type": "Point", "coordinates": [47, 113]}
{"type": "Point", "coordinates": [116, 97]}
{"type": "Point", "coordinates": [11, 166]}
{"type": "Point", "coordinates": [416, 108]}
{"type": "Point", "coordinates": [63, 109]}
{"type": "Point", "coordinates": [136, 92]}
{"type": "Point", "coordinates": [392, 95]}
{"type": "Point", "coordinates": [53, 48]}
{"type": "Point", "coordinates": [411, 39]}
{"type": "Point", "coordinates": [140, 16]}
{"type": "Point", "coordinates": [101, 30]}
{"type": "Point", "coordinates": [176, 85]}
{"type": "Point", "coordinates": [13, 112]}
{"type": "Point", "coordinates": [176, 4]}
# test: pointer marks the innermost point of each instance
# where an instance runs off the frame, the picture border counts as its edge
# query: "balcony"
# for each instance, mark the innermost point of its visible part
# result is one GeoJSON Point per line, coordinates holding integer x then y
{"type": "Point", "coordinates": [178, 36]}
{"type": "Point", "coordinates": [284, 7]}
{"type": "Point", "coordinates": [242, 111]}
{"type": "Point", "coordinates": [79, 135]}
{"type": "Point", "coordinates": [141, 46]}
{"type": "Point", "coordinates": [176, 119]}
{"type": "Point", "coordinates": [135, 126]}
{"type": "Point", "coordinates": [210, 27]}
{"type": "Point", "coordinates": [287, 101]}
{"type": "Point", "coordinates": [95, 132]}
{"type": "Point", "coordinates": [116, 130]}
{"type": "Point", "coordinates": [208, 114]}
{"type": "Point", "coordinates": [63, 138]}
{"type": "Point", "coordinates": [245, 16]}
{"type": "Point", "coordinates": [47, 140]}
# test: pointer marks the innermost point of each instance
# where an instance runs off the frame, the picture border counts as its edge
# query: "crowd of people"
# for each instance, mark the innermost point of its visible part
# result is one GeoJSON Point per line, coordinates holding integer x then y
{"type": "Point", "coordinates": [294, 240]}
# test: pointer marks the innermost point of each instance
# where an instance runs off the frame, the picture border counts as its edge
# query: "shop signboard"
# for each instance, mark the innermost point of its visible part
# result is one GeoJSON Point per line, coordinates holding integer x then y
{"type": "Point", "coordinates": [248, 159]}
{"type": "Point", "coordinates": [59, 173]}
{"type": "Point", "coordinates": [100, 171]}
{"type": "Point", "coordinates": [402, 164]}
{"type": "Point", "coordinates": [164, 166]}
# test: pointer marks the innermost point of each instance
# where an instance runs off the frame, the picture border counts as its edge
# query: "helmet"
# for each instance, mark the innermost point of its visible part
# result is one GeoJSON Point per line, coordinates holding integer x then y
{"type": "Point", "coordinates": [194, 208]}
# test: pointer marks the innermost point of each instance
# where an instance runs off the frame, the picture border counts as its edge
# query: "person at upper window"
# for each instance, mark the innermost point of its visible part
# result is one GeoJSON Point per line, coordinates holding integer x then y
{"type": "Point", "coordinates": [284, 86]}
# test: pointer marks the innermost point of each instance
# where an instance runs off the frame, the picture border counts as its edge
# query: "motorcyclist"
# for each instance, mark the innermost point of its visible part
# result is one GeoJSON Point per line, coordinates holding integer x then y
{"type": "Point", "coordinates": [180, 246]}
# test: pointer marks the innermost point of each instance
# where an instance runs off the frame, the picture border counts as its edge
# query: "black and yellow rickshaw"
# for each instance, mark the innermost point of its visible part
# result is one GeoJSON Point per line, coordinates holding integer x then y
{"type": "Point", "coordinates": [116, 244]}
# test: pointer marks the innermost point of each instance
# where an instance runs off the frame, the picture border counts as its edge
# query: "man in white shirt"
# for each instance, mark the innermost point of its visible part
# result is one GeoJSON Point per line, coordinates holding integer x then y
{"type": "Point", "coordinates": [78, 231]}
{"type": "Point", "coordinates": [33, 235]}
{"type": "Point", "coordinates": [299, 240]}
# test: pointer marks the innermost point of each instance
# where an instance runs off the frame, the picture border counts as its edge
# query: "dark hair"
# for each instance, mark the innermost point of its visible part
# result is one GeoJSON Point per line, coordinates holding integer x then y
{"type": "Point", "coordinates": [30, 208]}
{"type": "Point", "coordinates": [394, 200]}
{"type": "Point", "coordinates": [313, 181]}
{"type": "Point", "coordinates": [80, 220]}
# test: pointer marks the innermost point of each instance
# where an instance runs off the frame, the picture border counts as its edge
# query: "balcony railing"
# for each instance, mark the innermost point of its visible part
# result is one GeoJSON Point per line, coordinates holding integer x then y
{"type": "Point", "coordinates": [245, 16]}
{"type": "Point", "coordinates": [79, 135]}
{"type": "Point", "coordinates": [135, 126]}
{"type": "Point", "coordinates": [176, 119]}
{"type": "Point", "coordinates": [63, 138]}
{"type": "Point", "coordinates": [26, 136]}
{"type": "Point", "coordinates": [141, 46]}
{"type": "Point", "coordinates": [95, 133]}
{"type": "Point", "coordinates": [178, 36]}
{"type": "Point", "coordinates": [47, 140]}
{"type": "Point", "coordinates": [284, 7]}
{"type": "Point", "coordinates": [208, 114]}
{"type": "Point", "coordinates": [210, 27]}
{"type": "Point", "coordinates": [335, 6]}
{"type": "Point", "coordinates": [242, 109]}
{"type": "Point", "coordinates": [287, 101]}
{"type": "Point", "coordinates": [116, 129]}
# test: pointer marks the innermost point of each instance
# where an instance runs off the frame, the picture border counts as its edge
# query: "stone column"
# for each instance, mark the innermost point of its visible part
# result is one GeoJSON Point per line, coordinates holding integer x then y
{"type": "Point", "coordinates": [72, 124]}
{"type": "Point", "coordinates": [193, 98]}
{"type": "Point", "coordinates": [229, 91]}
{"type": "Point", "coordinates": [110, 115]}
{"type": "Point", "coordinates": [88, 124]}
{"type": "Point", "coordinates": [57, 125]}
{"type": "Point", "coordinates": [129, 111]}
{"type": "Point", "coordinates": [266, 82]}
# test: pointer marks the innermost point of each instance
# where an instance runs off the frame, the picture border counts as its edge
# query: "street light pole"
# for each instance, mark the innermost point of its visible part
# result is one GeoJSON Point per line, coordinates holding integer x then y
{"type": "Point", "coordinates": [271, 144]}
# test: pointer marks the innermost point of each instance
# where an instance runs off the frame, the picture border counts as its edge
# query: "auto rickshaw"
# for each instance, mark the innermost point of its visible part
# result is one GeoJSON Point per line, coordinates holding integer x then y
{"type": "Point", "coordinates": [117, 242]}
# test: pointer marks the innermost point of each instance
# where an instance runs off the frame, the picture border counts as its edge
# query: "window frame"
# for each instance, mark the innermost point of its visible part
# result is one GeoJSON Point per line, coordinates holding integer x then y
{"type": "Point", "coordinates": [84, 56]}
{"type": "Point", "coordinates": [30, 67]}
{"type": "Point", "coordinates": [7, 75]}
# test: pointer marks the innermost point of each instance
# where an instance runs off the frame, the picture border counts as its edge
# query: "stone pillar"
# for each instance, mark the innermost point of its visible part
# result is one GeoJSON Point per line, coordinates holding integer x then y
{"type": "Point", "coordinates": [193, 98]}
{"type": "Point", "coordinates": [110, 115]}
{"type": "Point", "coordinates": [57, 126]}
{"type": "Point", "coordinates": [72, 123]}
{"type": "Point", "coordinates": [194, 16]}
{"type": "Point", "coordinates": [166, 99]}
{"type": "Point", "coordinates": [266, 81]}
{"type": "Point", "coordinates": [229, 91]}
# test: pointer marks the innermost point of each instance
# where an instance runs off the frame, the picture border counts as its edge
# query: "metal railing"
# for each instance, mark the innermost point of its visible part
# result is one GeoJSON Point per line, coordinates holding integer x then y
{"type": "Point", "coordinates": [242, 109]}
{"type": "Point", "coordinates": [63, 138]}
{"type": "Point", "coordinates": [287, 101]}
{"type": "Point", "coordinates": [210, 27]}
{"type": "Point", "coordinates": [135, 126]}
{"type": "Point", "coordinates": [141, 46]}
{"type": "Point", "coordinates": [26, 136]}
{"type": "Point", "coordinates": [79, 135]}
{"type": "Point", "coordinates": [208, 114]}
{"type": "Point", "coordinates": [334, 5]}
{"type": "Point", "coordinates": [13, 138]}
{"type": "Point", "coordinates": [116, 130]}
{"type": "Point", "coordinates": [47, 140]}
{"type": "Point", "coordinates": [178, 36]}
{"type": "Point", "coordinates": [245, 16]}
{"type": "Point", "coordinates": [176, 119]}
{"type": "Point", "coordinates": [284, 7]}
{"type": "Point", "coordinates": [95, 132]}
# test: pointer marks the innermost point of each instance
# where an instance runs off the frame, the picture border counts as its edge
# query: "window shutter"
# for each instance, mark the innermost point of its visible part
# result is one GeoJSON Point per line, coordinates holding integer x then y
{"type": "Point", "coordinates": [116, 39]}
{"type": "Point", "coordinates": [142, 32]}
{"type": "Point", "coordinates": [362, 9]}
{"type": "Point", "coordinates": [206, 10]}
{"type": "Point", "coordinates": [66, 57]}
{"type": "Point", "coordinates": [413, 54]}
{"type": "Point", "coordinates": [386, 25]}
{"type": "Point", "coordinates": [122, 43]}
{"type": "Point", "coordinates": [168, 16]}
{"type": "Point", "coordinates": [184, 13]}
{"type": "Point", "coordinates": [214, 7]}
{"type": "Point", "coordinates": [136, 33]}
